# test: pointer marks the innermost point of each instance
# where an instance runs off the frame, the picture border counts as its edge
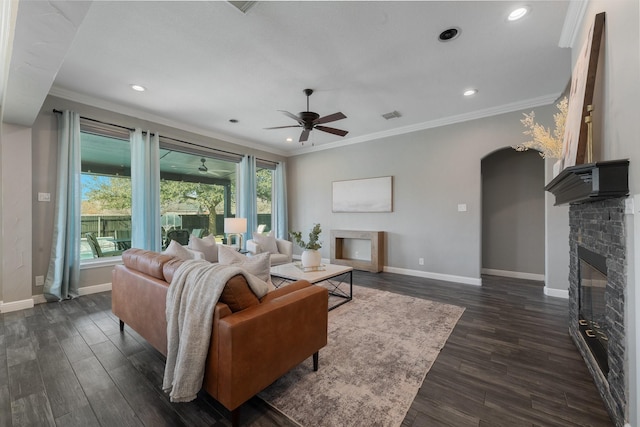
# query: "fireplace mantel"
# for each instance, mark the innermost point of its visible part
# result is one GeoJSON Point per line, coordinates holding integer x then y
{"type": "Point", "coordinates": [591, 182]}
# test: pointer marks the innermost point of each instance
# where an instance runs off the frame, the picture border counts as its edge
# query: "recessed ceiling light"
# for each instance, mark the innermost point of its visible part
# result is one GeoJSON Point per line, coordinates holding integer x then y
{"type": "Point", "coordinates": [518, 13]}
{"type": "Point", "coordinates": [470, 92]}
{"type": "Point", "coordinates": [289, 139]}
{"type": "Point", "coordinates": [449, 34]}
{"type": "Point", "coordinates": [138, 88]}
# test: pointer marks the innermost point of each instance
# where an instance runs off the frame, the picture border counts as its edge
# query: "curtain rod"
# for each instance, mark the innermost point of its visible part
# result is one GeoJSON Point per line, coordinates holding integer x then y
{"type": "Point", "coordinates": [99, 121]}
{"type": "Point", "coordinates": [166, 137]}
{"type": "Point", "coordinates": [201, 146]}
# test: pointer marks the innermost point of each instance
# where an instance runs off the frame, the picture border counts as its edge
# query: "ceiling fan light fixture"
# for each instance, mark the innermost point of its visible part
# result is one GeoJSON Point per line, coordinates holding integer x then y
{"type": "Point", "coordinates": [310, 120]}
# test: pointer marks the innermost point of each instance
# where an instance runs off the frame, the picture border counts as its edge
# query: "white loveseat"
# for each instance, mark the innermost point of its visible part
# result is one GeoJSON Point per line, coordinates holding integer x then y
{"type": "Point", "coordinates": [283, 256]}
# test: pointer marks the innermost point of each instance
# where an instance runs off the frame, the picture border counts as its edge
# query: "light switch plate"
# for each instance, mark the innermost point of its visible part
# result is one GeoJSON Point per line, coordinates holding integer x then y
{"type": "Point", "coordinates": [462, 207]}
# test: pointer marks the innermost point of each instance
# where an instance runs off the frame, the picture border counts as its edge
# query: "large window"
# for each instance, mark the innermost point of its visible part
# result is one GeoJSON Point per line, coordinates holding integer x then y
{"type": "Point", "coordinates": [197, 191]}
{"type": "Point", "coordinates": [264, 193]}
{"type": "Point", "coordinates": [106, 195]}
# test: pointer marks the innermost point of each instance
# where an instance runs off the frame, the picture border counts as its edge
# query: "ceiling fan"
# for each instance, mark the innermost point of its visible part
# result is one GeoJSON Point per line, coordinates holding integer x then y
{"type": "Point", "coordinates": [308, 120]}
{"type": "Point", "coordinates": [204, 169]}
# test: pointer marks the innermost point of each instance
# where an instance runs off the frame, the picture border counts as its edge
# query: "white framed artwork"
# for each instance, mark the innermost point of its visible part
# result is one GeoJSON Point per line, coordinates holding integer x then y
{"type": "Point", "coordinates": [363, 195]}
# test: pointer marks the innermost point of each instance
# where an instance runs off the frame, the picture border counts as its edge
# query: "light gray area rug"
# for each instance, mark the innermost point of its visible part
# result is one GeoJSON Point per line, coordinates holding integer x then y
{"type": "Point", "coordinates": [380, 347]}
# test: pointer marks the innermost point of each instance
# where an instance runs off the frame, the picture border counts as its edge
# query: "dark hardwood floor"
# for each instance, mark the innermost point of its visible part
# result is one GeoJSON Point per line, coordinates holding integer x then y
{"type": "Point", "coordinates": [509, 362]}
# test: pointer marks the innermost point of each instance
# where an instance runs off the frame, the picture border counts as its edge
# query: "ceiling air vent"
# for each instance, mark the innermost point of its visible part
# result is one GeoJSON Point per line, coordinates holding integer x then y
{"type": "Point", "coordinates": [242, 6]}
{"type": "Point", "coordinates": [392, 115]}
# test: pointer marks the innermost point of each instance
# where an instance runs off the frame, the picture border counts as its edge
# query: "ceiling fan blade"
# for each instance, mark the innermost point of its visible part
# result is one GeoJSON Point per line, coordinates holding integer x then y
{"type": "Point", "coordinates": [304, 136]}
{"type": "Point", "coordinates": [293, 116]}
{"type": "Point", "coordinates": [282, 127]}
{"type": "Point", "coordinates": [332, 130]}
{"type": "Point", "coordinates": [330, 118]}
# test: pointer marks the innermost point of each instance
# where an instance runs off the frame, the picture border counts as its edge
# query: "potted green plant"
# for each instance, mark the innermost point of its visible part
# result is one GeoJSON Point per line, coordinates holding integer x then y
{"type": "Point", "coordinates": [311, 256]}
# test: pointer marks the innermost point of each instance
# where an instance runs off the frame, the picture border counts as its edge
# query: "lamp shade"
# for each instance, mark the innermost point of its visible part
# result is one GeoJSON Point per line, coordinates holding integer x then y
{"type": "Point", "coordinates": [235, 225]}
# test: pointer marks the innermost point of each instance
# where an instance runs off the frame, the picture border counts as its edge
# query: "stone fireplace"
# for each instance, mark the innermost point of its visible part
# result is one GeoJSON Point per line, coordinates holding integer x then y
{"type": "Point", "coordinates": [597, 283]}
{"type": "Point", "coordinates": [598, 272]}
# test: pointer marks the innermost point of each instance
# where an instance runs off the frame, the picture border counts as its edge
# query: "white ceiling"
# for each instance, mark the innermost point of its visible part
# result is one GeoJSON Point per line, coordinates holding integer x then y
{"type": "Point", "coordinates": [204, 63]}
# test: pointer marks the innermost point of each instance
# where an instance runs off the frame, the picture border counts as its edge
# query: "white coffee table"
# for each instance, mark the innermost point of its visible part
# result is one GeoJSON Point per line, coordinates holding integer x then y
{"type": "Point", "coordinates": [334, 276]}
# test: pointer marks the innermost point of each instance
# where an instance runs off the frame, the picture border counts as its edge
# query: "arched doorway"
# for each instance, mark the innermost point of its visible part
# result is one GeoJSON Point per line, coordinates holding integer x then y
{"type": "Point", "coordinates": [513, 214]}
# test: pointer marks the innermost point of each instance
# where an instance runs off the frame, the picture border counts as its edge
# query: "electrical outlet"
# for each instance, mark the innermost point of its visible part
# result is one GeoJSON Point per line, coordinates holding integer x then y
{"type": "Point", "coordinates": [39, 280]}
{"type": "Point", "coordinates": [628, 206]}
{"type": "Point", "coordinates": [421, 261]}
{"type": "Point", "coordinates": [44, 197]}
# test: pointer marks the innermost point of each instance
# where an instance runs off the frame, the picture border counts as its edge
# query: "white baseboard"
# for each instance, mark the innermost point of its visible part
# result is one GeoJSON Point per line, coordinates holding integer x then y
{"type": "Point", "coordinates": [559, 293]}
{"type": "Point", "coordinates": [86, 290]}
{"type": "Point", "coordinates": [436, 276]}
{"type": "Point", "coordinates": [513, 274]}
{"type": "Point", "coordinates": [425, 274]}
{"type": "Point", "coordinates": [39, 299]}
{"type": "Point", "coordinates": [7, 307]}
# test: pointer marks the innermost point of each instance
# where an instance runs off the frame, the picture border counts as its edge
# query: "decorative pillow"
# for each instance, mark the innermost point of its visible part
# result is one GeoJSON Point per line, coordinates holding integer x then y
{"type": "Point", "coordinates": [237, 294]}
{"type": "Point", "coordinates": [258, 265]}
{"type": "Point", "coordinates": [205, 245]}
{"type": "Point", "coordinates": [175, 249]}
{"type": "Point", "coordinates": [267, 242]}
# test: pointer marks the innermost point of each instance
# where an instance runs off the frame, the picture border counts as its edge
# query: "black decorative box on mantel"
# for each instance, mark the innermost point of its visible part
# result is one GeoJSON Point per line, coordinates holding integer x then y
{"type": "Point", "coordinates": [591, 182]}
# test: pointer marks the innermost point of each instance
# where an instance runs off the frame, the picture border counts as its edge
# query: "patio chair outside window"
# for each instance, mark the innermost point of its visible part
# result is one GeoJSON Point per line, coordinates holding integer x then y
{"type": "Point", "coordinates": [181, 236]}
{"type": "Point", "coordinates": [98, 251]}
{"type": "Point", "coordinates": [197, 232]}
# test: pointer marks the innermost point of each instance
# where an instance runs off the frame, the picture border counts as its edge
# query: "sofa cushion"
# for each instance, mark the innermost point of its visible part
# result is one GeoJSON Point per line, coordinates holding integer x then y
{"type": "Point", "coordinates": [267, 242]}
{"type": "Point", "coordinates": [206, 245]}
{"type": "Point", "coordinates": [237, 294]}
{"type": "Point", "coordinates": [258, 265]}
{"type": "Point", "coordinates": [169, 268]}
{"type": "Point", "coordinates": [176, 250]}
{"type": "Point", "coordinates": [277, 259]}
{"type": "Point", "coordinates": [147, 262]}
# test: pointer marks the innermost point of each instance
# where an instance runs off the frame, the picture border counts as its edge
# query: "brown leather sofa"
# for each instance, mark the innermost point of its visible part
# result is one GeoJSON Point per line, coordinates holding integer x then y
{"type": "Point", "coordinates": [249, 349]}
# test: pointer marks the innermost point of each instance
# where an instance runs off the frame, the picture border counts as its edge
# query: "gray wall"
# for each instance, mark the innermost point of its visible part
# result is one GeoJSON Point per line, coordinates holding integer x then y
{"type": "Point", "coordinates": [434, 171]}
{"type": "Point", "coordinates": [15, 225]}
{"type": "Point", "coordinates": [513, 212]}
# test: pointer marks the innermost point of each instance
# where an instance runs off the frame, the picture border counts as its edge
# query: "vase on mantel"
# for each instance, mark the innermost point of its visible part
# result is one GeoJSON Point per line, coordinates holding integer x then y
{"type": "Point", "coordinates": [311, 258]}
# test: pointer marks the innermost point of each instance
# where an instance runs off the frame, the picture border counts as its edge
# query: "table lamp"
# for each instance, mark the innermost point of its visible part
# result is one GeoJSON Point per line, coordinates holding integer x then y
{"type": "Point", "coordinates": [235, 226]}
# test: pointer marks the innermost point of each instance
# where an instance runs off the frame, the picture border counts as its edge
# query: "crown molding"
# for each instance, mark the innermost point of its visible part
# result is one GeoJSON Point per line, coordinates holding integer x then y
{"type": "Point", "coordinates": [139, 114]}
{"type": "Point", "coordinates": [474, 115]}
{"type": "Point", "coordinates": [143, 115]}
{"type": "Point", "coordinates": [573, 22]}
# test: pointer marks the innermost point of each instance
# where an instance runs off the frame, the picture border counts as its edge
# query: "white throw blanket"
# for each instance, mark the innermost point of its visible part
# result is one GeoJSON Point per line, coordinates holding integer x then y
{"type": "Point", "coordinates": [192, 296]}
